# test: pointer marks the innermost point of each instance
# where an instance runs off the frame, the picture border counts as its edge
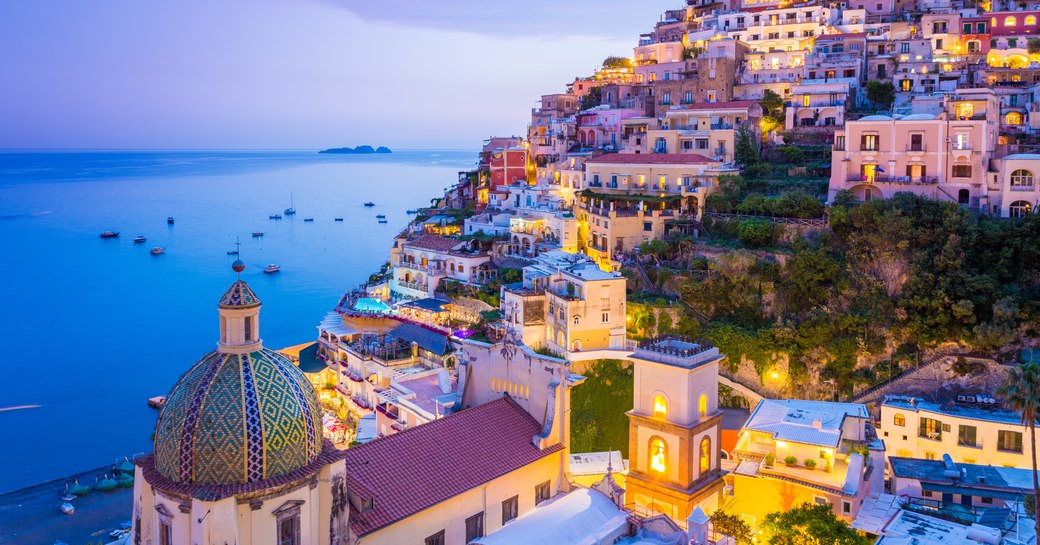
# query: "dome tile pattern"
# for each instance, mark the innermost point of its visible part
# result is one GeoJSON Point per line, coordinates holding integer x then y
{"type": "Point", "coordinates": [239, 295]}
{"type": "Point", "coordinates": [233, 419]}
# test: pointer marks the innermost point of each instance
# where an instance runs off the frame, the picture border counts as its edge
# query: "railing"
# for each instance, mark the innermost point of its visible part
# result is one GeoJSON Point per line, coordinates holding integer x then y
{"type": "Point", "coordinates": [902, 180]}
{"type": "Point", "coordinates": [721, 126]}
{"type": "Point", "coordinates": [413, 285]}
{"type": "Point", "coordinates": [918, 147]}
{"type": "Point", "coordinates": [419, 267]}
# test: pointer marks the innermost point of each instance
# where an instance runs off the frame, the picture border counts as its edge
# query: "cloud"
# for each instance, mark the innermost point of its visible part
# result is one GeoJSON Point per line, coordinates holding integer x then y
{"type": "Point", "coordinates": [534, 18]}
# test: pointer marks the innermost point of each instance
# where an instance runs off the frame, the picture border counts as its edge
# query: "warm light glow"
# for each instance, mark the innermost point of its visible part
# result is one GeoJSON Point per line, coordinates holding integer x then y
{"type": "Point", "coordinates": [660, 406]}
{"type": "Point", "coordinates": [774, 375]}
{"type": "Point", "coordinates": [657, 456]}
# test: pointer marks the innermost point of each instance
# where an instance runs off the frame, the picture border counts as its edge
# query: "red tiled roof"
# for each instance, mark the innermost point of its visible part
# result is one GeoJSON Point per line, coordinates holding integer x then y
{"type": "Point", "coordinates": [433, 242]}
{"type": "Point", "coordinates": [651, 159]}
{"type": "Point", "coordinates": [422, 466]}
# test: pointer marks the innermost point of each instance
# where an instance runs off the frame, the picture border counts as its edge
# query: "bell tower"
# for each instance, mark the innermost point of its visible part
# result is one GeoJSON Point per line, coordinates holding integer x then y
{"type": "Point", "coordinates": [673, 434]}
{"type": "Point", "coordinates": [239, 310]}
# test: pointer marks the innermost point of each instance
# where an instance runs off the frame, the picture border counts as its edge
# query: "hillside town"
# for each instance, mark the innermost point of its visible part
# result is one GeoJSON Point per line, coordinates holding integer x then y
{"type": "Point", "coordinates": [443, 402]}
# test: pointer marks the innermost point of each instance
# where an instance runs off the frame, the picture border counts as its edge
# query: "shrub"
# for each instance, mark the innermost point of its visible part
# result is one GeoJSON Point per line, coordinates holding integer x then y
{"type": "Point", "coordinates": [791, 460]}
{"type": "Point", "coordinates": [810, 463]}
{"type": "Point", "coordinates": [755, 232]}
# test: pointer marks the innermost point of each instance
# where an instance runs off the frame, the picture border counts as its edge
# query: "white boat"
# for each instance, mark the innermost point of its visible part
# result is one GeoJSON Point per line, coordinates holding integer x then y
{"type": "Point", "coordinates": [67, 508]}
{"type": "Point", "coordinates": [158, 251]}
{"type": "Point", "coordinates": [272, 268]}
{"type": "Point", "coordinates": [139, 239]}
{"type": "Point", "coordinates": [290, 211]}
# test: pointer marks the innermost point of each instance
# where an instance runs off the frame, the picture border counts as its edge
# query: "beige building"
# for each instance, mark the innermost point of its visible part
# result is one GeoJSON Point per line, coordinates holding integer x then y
{"type": "Point", "coordinates": [707, 129]}
{"type": "Point", "coordinates": [566, 303]}
{"type": "Point", "coordinates": [976, 432]}
{"type": "Point", "coordinates": [1017, 184]}
{"type": "Point", "coordinates": [420, 263]}
{"type": "Point", "coordinates": [673, 434]}
{"type": "Point", "coordinates": [633, 198]}
{"type": "Point", "coordinates": [794, 451]}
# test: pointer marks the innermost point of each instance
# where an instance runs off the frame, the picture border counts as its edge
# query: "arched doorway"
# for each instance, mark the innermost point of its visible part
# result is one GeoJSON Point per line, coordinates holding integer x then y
{"type": "Point", "coordinates": [1019, 209]}
{"type": "Point", "coordinates": [963, 196]}
{"type": "Point", "coordinates": [576, 346]}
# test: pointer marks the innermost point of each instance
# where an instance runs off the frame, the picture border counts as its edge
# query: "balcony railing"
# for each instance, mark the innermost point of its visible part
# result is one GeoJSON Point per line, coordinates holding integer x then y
{"type": "Point", "coordinates": [917, 147]}
{"type": "Point", "coordinates": [905, 180]}
{"type": "Point", "coordinates": [413, 285]}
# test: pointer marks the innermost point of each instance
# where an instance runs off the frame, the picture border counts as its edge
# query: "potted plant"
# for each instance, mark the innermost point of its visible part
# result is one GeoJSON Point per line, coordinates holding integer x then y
{"type": "Point", "coordinates": [810, 463]}
{"type": "Point", "coordinates": [791, 461]}
{"type": "Point", "coordinates": [770, 460]}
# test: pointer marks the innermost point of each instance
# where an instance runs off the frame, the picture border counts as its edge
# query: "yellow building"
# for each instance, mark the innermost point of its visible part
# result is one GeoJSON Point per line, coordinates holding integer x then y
{"type": "Point", "coordinates": [674, 423]}
{"type": "Point", "coordinates": [794, 451]}
{"type": "Point", "coordinates": [633, 198]}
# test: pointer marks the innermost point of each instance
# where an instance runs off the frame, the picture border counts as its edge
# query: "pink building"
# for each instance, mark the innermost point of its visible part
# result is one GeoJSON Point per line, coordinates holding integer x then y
{"type": "Point", "coordinates": [945, 156]}
{"type": "Point", "coordinates": [601, 126]}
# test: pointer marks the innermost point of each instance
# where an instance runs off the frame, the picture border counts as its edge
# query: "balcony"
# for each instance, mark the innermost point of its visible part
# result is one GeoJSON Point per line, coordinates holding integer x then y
{"type": "Point", "coordinates": [918, 148]}
{"type": "Point", "coordinates": [413, 285]}
{"type": "Point", "coordinates": [430, 269]}
{"type": "Point", "coordinates": [903, 180]}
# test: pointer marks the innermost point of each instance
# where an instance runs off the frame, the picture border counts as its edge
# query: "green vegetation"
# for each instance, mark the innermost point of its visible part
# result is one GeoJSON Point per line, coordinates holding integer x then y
{"type": "Point", "coordinates": [773, 115]}
{"type": "Point", "coordinates": [598, 406]}
{"type": "Point", "coordinates": [745, 148]}
{"type": "Point", "coordinates": [740, 196]}
{"type": "Point", "coordinates": [732, 525]}
{"type": "Point", "coordinates": [546, 351]}
{"type": "Point", "coordinates": [617, 63]}
{"type": "Point", "coordinates": [881, 94]}
{"type": "Point", "coordinates": [592, 99]}
{"type": "Point", "coordinates": [1020, 393]}
{"type": "Point", "coordinates": [810, 524]}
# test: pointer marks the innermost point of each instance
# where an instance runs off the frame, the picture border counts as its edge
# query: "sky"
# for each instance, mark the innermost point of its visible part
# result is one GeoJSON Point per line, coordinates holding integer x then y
{"type": "Point", "coordinates": [295, 74]}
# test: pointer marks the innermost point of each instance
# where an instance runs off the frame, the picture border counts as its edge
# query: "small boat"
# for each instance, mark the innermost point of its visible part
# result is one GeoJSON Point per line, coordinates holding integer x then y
{"type": "Point", "coordinates": [257, 234]}
{"type": "Point", "coordinates": [381, 216]}
{"type": "Point", "coordinates": [370, 204]}
{"type": "Point", "coordinates": [169, 220]}
{"type": "Point", "coordinates": [290, 211]}
{"type": "Point", "coordinates": [139, 239]}
{"type": "Point", "coordinates": [232, 252]}
{"type": "Point", "coordinates": [67, 508]}
{"type": "Point", "coordinates": [156, 402]}
{"type": "Point", "coordinates": [110, 234]}
{"type": "Point", "coordinates": [158, 250]}
{"type": "Point", "coordinates": [339, 219]}
{"type": "Point", "coordinates": [275, 216]}
{"type": "Point", "coordinates": [382, 221]}
{"type": "Point", "coordinates": [272, 268]}
{"type": "Point", "coordinates": [308, 219]}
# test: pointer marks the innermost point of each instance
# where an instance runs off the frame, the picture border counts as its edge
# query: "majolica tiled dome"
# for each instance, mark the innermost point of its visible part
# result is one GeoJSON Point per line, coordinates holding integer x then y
{"type": "Point", "coordinates": [239, 295]}
{"type": "Point", "coordinates": [238, 418]}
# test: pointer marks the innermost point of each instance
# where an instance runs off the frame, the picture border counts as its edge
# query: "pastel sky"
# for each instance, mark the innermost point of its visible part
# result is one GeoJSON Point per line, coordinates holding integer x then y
{"type": "Point", "coordinates": [294, 74]}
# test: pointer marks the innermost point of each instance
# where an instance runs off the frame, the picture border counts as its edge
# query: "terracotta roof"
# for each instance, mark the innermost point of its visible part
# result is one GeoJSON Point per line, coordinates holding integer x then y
{"type": "Point", "coordinates": [422, 466]}
{"type": "Point", "coordinates": [651, 159]}
{"type": "Point", "coordinates": [433, 242]}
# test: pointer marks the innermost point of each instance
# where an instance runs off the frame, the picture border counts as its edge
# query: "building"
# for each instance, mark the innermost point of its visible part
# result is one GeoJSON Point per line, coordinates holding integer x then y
{"type": "Point", "coordinates": [707, 129]}
{"type": "Point", "coordinates": [566, 303]}
{"type": "Point", "coordinates": [1017, 180]}
{"type": "Point", "coordinates": [633, 198]}
{"type": "Point", "coordinates": [945, 157]}
{"type": "Point", "coordinates": [974, 432]}
{"type": "Point", "coordinates": [794, 451]}
{"type": "Point", "coordinates": [951, 488]}
{"type": "Point", "coordinates": [420, 263]}
{"type": "Point", "coordinates": [239, 452]}
{"type": "Point", "coordinates": [673, 432]}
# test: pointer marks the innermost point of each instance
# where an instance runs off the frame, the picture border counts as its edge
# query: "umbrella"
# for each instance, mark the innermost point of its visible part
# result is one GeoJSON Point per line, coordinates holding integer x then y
{"type": "Point", "coordinates": [125, 466]}
{"type": "Point", "coordinates": [79, 489]}
{"type": "Point", "coordinates": [125, 480]}
{"type": "Point", "coordinates": [106, 484]}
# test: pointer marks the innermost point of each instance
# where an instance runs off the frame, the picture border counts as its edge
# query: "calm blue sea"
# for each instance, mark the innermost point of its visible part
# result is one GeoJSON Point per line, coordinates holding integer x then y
{"type": "Point", "coordinates": [91, 328]}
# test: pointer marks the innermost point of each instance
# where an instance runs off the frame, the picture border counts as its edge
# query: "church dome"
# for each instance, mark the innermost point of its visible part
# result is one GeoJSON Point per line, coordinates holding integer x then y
{"type": "Point", "coordinates": [238, 418]}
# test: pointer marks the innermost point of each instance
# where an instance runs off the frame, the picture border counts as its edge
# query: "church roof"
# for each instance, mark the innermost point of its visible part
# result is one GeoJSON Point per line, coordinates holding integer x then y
{"type": "Point", "coordinates": [233, 419]}
{"type": "Point", "coordinates": [420, 467]}
{"type": "Point", "coordinates": [239, 295]}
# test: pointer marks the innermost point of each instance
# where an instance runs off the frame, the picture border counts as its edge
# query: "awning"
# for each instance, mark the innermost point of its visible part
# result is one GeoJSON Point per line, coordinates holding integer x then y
{"type": "Point", "coordinates": [429, 303]}
{"type": "Point", "coordinates": [969, 491]}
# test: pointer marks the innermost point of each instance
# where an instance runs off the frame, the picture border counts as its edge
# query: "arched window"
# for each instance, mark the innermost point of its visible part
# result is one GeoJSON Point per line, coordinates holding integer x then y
{"type": "Point", "coordinates": [705, 461]}
{"type": "Point", "coordinates": [974, 46]}
{"type": "Point", "coordinates": [899, 420]}
{"type": "Point", "coordinates": [1019, 209]}
{"type": "Point", "coordinates": [1010, 20]}
{"type": "Point", "coordinates": [1022, 178]}
{"type": "Point", "coordinates": [660, 406]}
{"type": "Point", "coordinates": [702, 405]}
{"type": "Point", "coordinates": [576, 319]}
{"type": "Point", "coordinates": [1030, 19]}
{"type": "Point", "coordinates": [1013, 118]}
{"type": "Point", "coordinates": [657, 454]}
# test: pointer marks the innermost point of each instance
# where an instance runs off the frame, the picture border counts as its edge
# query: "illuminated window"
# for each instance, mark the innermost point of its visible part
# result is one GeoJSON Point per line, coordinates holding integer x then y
{"type": "Point", "coordinates": [1014, 118]}
{"type": "Point", "coordinates": [1030, 20]}
{"type": "Point", "coordinates": [702, 405]}
{"type": "Point", "coordinates": [705, 455]}
{"type": "Point", "coordinates": [1010, 20]}
{"type": "Point", "coordinates": [1022, 178]}
{"type": "Point", "coordinates": [1019, 209]}
{"type": "Point", "coordinates": [660, 406]}
{"type": "Point", "coordinates": [805, 100]}
{"type": "Point", "coordinates": [657, 455]}
{"type": "Point", "coordinates": [899, 420]}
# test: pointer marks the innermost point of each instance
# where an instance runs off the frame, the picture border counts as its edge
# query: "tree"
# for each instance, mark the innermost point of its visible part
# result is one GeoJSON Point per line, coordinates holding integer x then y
{"type": "Point", "coordinates": [1033, 46]}
{"type": "Point", "coordinates": [592, 99]}
{"type": "Point", "coordinates": [617, 63]}
{"type": "Point", "coordinates": [1020, 394]}
{"type": "Point", "coordinates": [745, 148]}
{"type": "Point", "coordinates": [733, 526]}
{"type": "Point", "coordinates": [772, 104]}
{"type": "Point", "coordinates": [881, 93]}
{"type": "Point", "coordinates": [755, 232]}
{"type": "Point", "coordinates": [810, 524]}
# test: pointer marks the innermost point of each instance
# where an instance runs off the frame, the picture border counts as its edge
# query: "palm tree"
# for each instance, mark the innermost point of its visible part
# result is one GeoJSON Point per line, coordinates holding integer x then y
{"type": "Point", "coordinates": [1021, 392]}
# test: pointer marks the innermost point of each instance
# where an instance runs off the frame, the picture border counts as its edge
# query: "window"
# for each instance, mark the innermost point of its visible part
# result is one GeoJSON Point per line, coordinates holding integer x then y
{"type": "Point", "coordinates": [1013, 118]}
{"type": "Point", "coordinates": [846, 507]}
{"type": "Point", "coordinates": [509, 509]}
{"type": "Point", "coordinates": [917, 142]}
{"type": "Point", "coordinates": [987, 500]}
{"type": "Point", "coordinates": [657, 454]}
{"type": "Point", "coordinates": [962, 171]}
{"type": "Point", "coordinates": [980, 28]}
{"type": "Point", "coordinates": [289, 530]}
{"type": "Point", "coordinates": [702, 405]}
{"type": "Point", "coordinates": [702, 143]}
{"type": "Point", "coordinates": [805, 100]}
{"type": "Point", "coordinates": [541, 493]}
{"type": "Point", "coordinates": [436, 539]}
{"type": "Point", "coordinates": [577, 319]}
{"type": "Point", "coordinates": [1010, 20]}
{"type": "Point", "coordinates": [475, 527]}
{"type": "Point", "coordinates": [966, 435]}
{"type": "Point", "coordinates": [930, 428]}
{"type": "Point", "coordinates": [926, 493]}
{"type": "Point", "coordinates": [839, 143]}
{"type": "Point", "coordinates": [249, 328]}
{"type": "Point", "coordinates": [1009, 441]}
{"type": "Point", "coordinates": [1022, 178]}
{"type": "Point", "coordinates": [939, 27]}
{"type": "Point", "coordinates": [666, 98]}
{"type": "Point", "coordinates": [660, 406]}
{"type": "Point", "coordinates": [705, 458]}
{"type": "Point", "coordinates": [904, 47]}
{"type": "Point", "coordinates": [820, 501]}
{"type": "Point", "coordinates": [1030, 20]}
{"type": "Point", "coordinates": [899, 420]}
{"type": "Point", "coordinates": [973, 46]}
{"type": "Point", "coordinates": [929, 455]}
{"type": "Point", "coordinates": [165, 533]}
{"type": "Point", "coordinates": [606, 317]}
{"type": "Point", "coordinates": [1019, 209]}
{"type": "Point", "coordinates": [960, 140]}
{"type": "Point", "coordinates": [868, 142]}
{"type": "Point", "coordinates": [967, 28]}
{"type": "Point", "coordinates": [648, 226]}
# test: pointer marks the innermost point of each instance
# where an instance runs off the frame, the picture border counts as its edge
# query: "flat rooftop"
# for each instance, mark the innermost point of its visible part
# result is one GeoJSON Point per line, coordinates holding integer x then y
{"type": "Point", "coordinates": [985, 413]}
{"type": "Point", "coordinates": [807, 422]}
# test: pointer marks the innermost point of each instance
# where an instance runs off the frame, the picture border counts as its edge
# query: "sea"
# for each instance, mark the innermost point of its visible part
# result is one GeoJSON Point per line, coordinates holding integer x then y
{"type": "Point", "coordinates": [93, 327]}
